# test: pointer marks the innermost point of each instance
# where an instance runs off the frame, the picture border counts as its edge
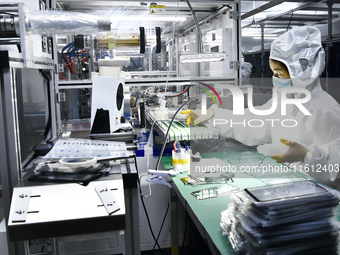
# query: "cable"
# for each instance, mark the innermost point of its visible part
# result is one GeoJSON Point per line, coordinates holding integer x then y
{"type": "Point", "coordinates": [181, 92]}
{"type": "Point", "coordinates": [200, 43]}
{"type": "Point", "coordinates": [165, 90]}
{"type": "Point", "coordinates": [67, 46]}
{"type": "Point", "coordinates": [291, 17]}
{"type": "Point", "coordinates": [160, 230]}
{"type": "Point", "coordinates": [70, 65]}
{"type": "Point", "coordinates": [139, 182]}
{"type": "Point", "coordinates": [150, 192]}
{"type": "Point", "coordinates": [62, 76]}
{"type": "Point", "coordinates": [66, 59]}
{"type": "Point", "coordinates": [149, 223]}
{"type": "Point", "coordinates": [144, 207]}
{"type": "Point", "coordinates": [168, 130]}
{"type": "Point", "coordinates": [147, 167]}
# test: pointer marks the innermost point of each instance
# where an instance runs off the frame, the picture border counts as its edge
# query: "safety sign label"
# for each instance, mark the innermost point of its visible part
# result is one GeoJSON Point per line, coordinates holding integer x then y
{"type": "Point", "coordinates": [157, 9]}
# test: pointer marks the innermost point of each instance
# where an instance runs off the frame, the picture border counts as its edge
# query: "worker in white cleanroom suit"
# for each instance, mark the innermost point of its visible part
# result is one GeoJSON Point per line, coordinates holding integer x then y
{"type": "Point", "coordinates": [297, 60]}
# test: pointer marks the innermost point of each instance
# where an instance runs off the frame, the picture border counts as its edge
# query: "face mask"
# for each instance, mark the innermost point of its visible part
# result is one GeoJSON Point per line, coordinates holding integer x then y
{"type": "Point", "coordinates": [280, 83]}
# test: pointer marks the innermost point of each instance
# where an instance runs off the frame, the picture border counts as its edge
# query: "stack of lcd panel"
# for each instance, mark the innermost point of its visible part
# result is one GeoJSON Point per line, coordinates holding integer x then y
{"type": "Point", "coordinates": [294, 218]}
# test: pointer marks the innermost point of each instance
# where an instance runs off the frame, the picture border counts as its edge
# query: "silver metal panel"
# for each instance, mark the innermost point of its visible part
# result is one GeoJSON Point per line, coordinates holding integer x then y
{"type": "Point", "coordinates": [132, 231]}
{"type": "Point", "coordinates": [59, 207]}
{"type": "Point", "coordinates": [11, 143]}
{"type": "Point", "coordinates": [67, 202]}
{"type": "Point", "coordinates": [25, 38]}
{"type": "Point", "coordinates": [21, 206]}
{"type": "Point", "coordinates": [10, 167]}
{"type": "Point", "coordinates": [53, 106]}
{"type": "Point", "coordinates": [109, 201]}
{"type": "Point", "coordinates": [15, 60]}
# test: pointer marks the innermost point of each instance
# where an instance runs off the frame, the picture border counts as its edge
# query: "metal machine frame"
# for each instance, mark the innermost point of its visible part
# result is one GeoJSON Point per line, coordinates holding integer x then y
{"type": "Point", "coordinates": [11, 162]}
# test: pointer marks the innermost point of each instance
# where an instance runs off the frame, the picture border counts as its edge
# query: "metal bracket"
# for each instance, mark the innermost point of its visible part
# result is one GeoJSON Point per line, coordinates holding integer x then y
{"type": "Point", "coordinates": [59, 68]}
{"type": "Point", "coordinates": [44, 43]}
{"type": "Point", "coordinates": [234, 15]}
{"type": "Point", "coordinates": [49, 45]}
{"type": "Point", "coordinates": [235, 65]}
{"type": "Point", "coordinates": [108, 199]}
{"type": "Point", "coordinates": [61, 97]}
{"type": "Point", "coordinates": [21, 206]}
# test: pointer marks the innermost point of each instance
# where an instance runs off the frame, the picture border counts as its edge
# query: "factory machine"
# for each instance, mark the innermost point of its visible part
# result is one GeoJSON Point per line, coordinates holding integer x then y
{"type": "Point", "coordinates": [69, 65]}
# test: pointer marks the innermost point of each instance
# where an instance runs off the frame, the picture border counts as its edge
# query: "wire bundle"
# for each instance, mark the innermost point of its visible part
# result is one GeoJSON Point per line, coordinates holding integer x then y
{"type": "Point", "coordinates": [69, 53]}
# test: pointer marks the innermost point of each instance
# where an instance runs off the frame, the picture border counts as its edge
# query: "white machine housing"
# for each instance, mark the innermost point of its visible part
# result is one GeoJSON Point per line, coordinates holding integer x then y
{"type": "Point", "coordinates": [221, 40]}
{"type": "Point", "coordinates": [108, 95]}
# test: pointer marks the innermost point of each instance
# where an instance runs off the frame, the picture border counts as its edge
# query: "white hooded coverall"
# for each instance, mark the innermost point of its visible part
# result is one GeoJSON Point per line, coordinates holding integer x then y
{"type": "Point", "coordinates": [301, 51]}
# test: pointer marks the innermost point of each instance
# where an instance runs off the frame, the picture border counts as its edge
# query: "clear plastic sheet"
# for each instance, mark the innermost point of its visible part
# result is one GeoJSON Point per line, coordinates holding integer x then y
{"type": "Point", "coordinates": [123, 21]}
{"type": "Point", "coordinates": [222, 144]}
{"type": "Point", "coordinates": [65, 22]}
{"type": "Point", "coordinates": [237, 240]}
{"type": "Point", "coordinates": [265, 221]}
{"type": "Point", "coordinates": [213, 192]}
{"type": "Point", "coordinates": [294, 218]}
{"type": "Point", "coordinates": [310, 246]}
{"type": "Point", "coordinates": [227, 219]}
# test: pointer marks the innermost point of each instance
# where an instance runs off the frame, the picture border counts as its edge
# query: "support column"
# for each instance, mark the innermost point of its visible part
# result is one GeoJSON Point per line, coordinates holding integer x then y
{"type": "Point", "coordinates": [10, 167]}
{"type": "Point", "coordinates": [174, 223]}
{"type": "Point", "coordinates": [132, 231]}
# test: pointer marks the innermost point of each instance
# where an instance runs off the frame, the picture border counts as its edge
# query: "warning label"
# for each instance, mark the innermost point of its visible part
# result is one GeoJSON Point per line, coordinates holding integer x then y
{"type": "Point", "coordinates": [157, 9]}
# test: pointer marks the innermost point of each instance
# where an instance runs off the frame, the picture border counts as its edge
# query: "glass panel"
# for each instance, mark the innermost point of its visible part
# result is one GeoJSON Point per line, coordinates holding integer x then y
{"type": "Point", "coordinates": [32, 103]}
{"type": "Point", "coordinates": [79, 56]}
{"type": "Point", "coordinates": [75, 109]}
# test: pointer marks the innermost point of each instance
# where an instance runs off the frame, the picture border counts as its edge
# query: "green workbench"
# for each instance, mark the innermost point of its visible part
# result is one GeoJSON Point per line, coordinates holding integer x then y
{"type": "Point", "coordinates": [207, 212]}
